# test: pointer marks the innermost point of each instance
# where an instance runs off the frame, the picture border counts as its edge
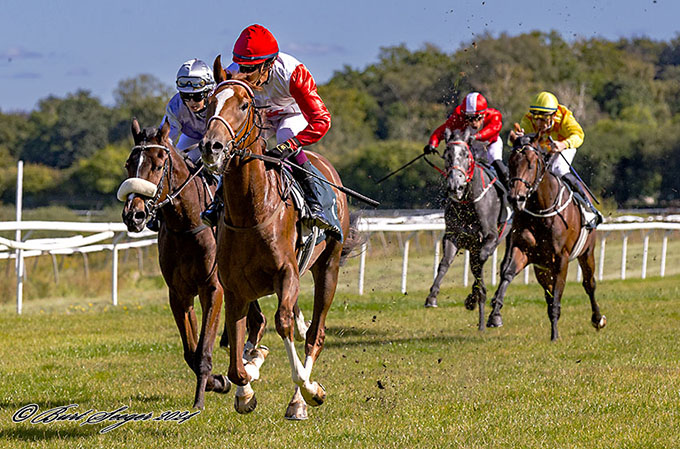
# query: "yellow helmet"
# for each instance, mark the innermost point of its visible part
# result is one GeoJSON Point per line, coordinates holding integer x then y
{"type": "Point", "coordinates": [544, 103]}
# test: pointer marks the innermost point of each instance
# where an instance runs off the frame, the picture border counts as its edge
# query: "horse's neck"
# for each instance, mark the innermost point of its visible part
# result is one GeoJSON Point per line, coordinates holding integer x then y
{"type": "Point", "coordinates": [250, 192]}
{"type": "Point", "coordinates": [184, 212]}
{"type": "Point", "coordinates": [547, 191]}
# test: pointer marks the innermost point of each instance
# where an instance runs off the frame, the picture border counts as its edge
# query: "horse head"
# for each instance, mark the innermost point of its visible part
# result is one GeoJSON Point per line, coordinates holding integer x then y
{"type": "Point", "coordinates": [527, 165]}
{"type": "Point", "coordinates": [231, 118]}
{"type": "Point", "coordinates": [459, 161]}
{"type": "Point", "coordinates": [148, 165]}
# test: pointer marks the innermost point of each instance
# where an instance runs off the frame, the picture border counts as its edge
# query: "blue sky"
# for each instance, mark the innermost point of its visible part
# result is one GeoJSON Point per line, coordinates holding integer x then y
{"type": "Point", "coordinates": [55, 48]}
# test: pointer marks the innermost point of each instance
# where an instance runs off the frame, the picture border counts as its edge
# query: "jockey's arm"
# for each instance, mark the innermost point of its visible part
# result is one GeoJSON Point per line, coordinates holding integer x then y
{"type": "Point", "coordinates": [303, 89]}
{"type": "Point", "coordinates": [573, 132]}
{"type": "Point", "coordinates": [492, 128]}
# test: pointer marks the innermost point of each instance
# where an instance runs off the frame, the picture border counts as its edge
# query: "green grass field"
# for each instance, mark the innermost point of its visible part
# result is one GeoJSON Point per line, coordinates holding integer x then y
{"type": "Point", "coordinates": [397, 375]}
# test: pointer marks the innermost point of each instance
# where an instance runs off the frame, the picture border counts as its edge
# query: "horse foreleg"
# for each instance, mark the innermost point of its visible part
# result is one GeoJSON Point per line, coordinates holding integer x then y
{"type": "Point", "coordinates": [450, 251]}
{"type": "Point", "coordinates": [553, 286]}
{"type": "Point", "coordinates": [514, 262]}
{"type": "Point", "coordinates": [587, 263]}
{"type": "Point", "coordinates": [185, 318]}
{"type": "Point", "coordinates": [478, 294]}
{"type": "Point", "coordinates": [235, 324]}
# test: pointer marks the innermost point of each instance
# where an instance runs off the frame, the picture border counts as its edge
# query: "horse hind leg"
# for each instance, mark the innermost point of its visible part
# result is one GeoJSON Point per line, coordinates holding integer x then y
{"type": "Point", "coordinates": [450, 250]}
{"type": "Point", "coordinates": [587, 263]}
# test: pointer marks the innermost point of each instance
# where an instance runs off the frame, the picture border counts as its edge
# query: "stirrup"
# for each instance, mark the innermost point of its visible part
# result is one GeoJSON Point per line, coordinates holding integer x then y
{"type": "Point", "coordinates": [211, 216]}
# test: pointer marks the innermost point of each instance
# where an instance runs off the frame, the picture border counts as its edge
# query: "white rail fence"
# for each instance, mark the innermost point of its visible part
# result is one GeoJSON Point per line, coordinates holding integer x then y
{"type": "Point", "coordinates": [109, 236]}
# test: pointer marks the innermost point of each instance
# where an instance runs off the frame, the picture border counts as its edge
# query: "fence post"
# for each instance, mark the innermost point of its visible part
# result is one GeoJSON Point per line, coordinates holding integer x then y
{"type": "Point", "coordinates": [645, 253]}
{"type": "Point", "coordinates": [404, 265]}
{"type": "Point", "coordinates": [603, 245]}
{"type": "Point", "coordinates": [437, 242]}
{"type": "Point", "coordinates": [494, 263]}
{"type": "Point", "coordinates": [664, 248]}
{"type": "Point", "coordinates": [20, 253]}
{"type": "Point", "coordinates": [466, 268]}
{"type": "Point", "coordinates": [362, 266]}
{"type": "Point", "coordinates": [114, 269]}
{"type": "Point", "coordinates": [624, 254]}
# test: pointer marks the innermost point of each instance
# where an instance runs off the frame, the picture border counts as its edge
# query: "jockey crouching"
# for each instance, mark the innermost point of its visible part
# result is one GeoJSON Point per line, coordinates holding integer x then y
{"type": "Point", "coordinates": [185, 112]}
{"type": "Point", "coordinates": [474, 113]}
{"type": "Point", "coordinates": [564, 136]}
{"type": "Point", "coordinates": [295, 112]}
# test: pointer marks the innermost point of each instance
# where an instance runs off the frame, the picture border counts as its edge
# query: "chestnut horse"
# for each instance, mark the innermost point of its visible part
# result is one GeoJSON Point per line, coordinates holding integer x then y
{"type": "Point", "coordinates": [473, 218]}
{"type": "Point", "coordinates": [160, 181]}
{"type": "Point", "coordinates": [256, 241]}
{"type": "Point", "coordinates": [547, 232]}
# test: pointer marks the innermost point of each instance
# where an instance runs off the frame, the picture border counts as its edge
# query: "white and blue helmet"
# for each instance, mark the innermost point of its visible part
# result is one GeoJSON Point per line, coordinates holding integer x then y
{"type": "Point", "coordinates": [195, 76]}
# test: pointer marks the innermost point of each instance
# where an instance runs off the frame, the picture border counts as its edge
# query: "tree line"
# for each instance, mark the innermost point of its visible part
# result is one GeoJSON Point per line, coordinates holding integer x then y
{"type": "Point", "coordinates": [625, 94]}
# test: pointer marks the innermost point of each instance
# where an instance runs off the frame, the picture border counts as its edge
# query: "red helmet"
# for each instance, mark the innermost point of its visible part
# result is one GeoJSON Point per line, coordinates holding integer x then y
{"type": "Point", "coordinates": [255, 45]}
{"type": "Point", "coordinates": [474, 103]}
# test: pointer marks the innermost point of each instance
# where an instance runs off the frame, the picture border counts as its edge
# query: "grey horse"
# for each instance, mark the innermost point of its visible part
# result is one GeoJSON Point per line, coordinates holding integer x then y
{"type": "Point", "coordinates": [477, 217]}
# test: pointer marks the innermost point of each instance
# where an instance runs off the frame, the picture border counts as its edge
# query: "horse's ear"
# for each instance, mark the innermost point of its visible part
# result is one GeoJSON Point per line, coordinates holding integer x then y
{"type": "Point", "coordinates": [466, 135]}
{"type": "Point", "coordinates": [447, 134]}
{"type": "Point", "coordinates": [218, 71]}
{"type": "Point", "coordinates": [164, 130]}
{"type": "Point", "coordinates": [135, 129]}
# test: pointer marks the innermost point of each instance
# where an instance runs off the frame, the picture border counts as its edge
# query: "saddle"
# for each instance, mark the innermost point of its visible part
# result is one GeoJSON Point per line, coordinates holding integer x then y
{"type": "Point", "coordinates": [505, 215]}
{"type": "Point", "coordinates": [310, 237]}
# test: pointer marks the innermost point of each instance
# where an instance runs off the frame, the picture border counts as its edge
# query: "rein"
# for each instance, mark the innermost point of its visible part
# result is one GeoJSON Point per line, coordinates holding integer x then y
{"type": "Point", "coordinates": [555, 208]}
{"type": "Point", "coordinates": [151, 205]}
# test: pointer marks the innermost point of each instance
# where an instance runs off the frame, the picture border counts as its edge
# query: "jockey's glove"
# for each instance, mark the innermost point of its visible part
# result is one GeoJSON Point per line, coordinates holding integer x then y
{"type": "Point", "coordinates": [429, 149]}
{"type": "Point", "coordinates": [284, 149]}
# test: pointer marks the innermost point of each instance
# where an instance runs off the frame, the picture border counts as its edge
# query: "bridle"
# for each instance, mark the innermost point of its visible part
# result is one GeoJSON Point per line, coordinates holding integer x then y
{"type": "Point", "coordinates": [241, 135]}
{"type": "Point", "coordinates": [469, 173]}
{"type": "Point", "coordinates": [541, 170]}
{"type": "Point", "coordinates": [151, 205]}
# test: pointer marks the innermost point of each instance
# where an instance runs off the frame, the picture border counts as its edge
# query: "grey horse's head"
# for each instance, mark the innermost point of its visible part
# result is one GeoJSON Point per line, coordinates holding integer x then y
{"type": "Point", "coordinates": [459, 162]}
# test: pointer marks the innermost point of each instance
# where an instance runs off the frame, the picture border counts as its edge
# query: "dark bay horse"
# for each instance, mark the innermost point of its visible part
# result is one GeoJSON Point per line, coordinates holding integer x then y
{"type": "Point", "coordinates": [472, 217]}
{"type": "Point", "coordinates": [160, 181]}
{"type": "Point", "coordinates": [257, 238]}
{"type": "Point", "coordinates": [547, 232]}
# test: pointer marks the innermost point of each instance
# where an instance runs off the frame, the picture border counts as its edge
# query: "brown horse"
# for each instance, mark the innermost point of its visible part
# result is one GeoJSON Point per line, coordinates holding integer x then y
{"type": "Point", "coordinates": [547, 232]}
{"type": "Point", "coordinates": [160, 181]}
{"type": "Point", "coordinates": [257, 240]}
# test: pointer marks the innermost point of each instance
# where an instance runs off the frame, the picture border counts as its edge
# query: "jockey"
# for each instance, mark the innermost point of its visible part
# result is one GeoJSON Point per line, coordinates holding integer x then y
{"type": "Point", "coordinates": [487, 122]}
{"type": "Point", "coordinates": [296, 114]}
{"type": "Point", "coordinates": [564, 136]}
{"type": "Point", "coordinates": [186, 112]}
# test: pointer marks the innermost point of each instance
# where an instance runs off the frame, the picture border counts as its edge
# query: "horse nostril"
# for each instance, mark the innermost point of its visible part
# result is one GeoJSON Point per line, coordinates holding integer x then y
{"type": "Point", "coordinates": [139, 215]}
{"type": "Point", "coordinates": [216, 147]}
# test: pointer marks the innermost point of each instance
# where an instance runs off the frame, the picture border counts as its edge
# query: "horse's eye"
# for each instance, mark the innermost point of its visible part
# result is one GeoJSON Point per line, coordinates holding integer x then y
{"type": "Point", "coordinates": [244, 106]}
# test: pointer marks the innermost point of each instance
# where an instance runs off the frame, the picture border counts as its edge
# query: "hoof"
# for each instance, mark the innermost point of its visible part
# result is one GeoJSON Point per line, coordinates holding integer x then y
{"type": "Point", "coordinates": [599, 324]}
{"type": "Point", "coordinates": [471, 301]}
{"type": "Point", "coordinates": [315, 398]}
{"type": "Point", "coordinates": [244, 405]}
{"type": "Point", "coordinates": [221, 384]}
{"type": "Point", "coordinates": [431, 301]}
{"type": "Point", "coordinates": [296, 411]}
{"type": "Point", "coordinates": [494, 321]}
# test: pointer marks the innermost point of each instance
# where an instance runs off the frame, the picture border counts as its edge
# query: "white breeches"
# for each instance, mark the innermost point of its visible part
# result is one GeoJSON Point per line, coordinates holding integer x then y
{"type": "Point", "coordinates": [493, 151]}
{"type": "Point", "coordinates": [560, 167]}
{"type": "Point", "coordinates": [285, 126]}
{"type": "Point", "coordinates": [185, 142]}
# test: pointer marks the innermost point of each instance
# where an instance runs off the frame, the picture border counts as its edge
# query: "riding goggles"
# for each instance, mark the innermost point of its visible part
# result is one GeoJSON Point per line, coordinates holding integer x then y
{"type": "Point", "coordinates": [473, 117]}
{"type": "Point", "coordinates": [194, 96]}
{"type": "Point", "coordinates": [542, 115]}
{"type": "Point", "coordinates": [193, 82]}
{"type": "Point", "coordinates": [245, 68]}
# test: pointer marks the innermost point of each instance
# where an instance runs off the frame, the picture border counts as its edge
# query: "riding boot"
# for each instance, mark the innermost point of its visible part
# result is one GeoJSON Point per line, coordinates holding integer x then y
{"type": "Point", "coordinates": [211, 215]}
{"type": "Point", "coordinates": [317, 216]}
{"type": "Point", "coordinates": [502, 172]}
{"type": "Point", "coordinates": [576, 186]}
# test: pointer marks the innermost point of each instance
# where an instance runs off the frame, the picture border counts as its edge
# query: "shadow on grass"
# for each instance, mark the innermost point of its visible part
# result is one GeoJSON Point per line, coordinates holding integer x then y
{"type": "Point", "coordinates": [473, 336]}
{"type": "Point", "coordinates": [40, 432]}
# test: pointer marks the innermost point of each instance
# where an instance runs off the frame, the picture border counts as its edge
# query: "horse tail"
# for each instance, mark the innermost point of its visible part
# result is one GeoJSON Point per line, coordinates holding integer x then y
{"type": "Point", "coordinates": [353, 239]}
